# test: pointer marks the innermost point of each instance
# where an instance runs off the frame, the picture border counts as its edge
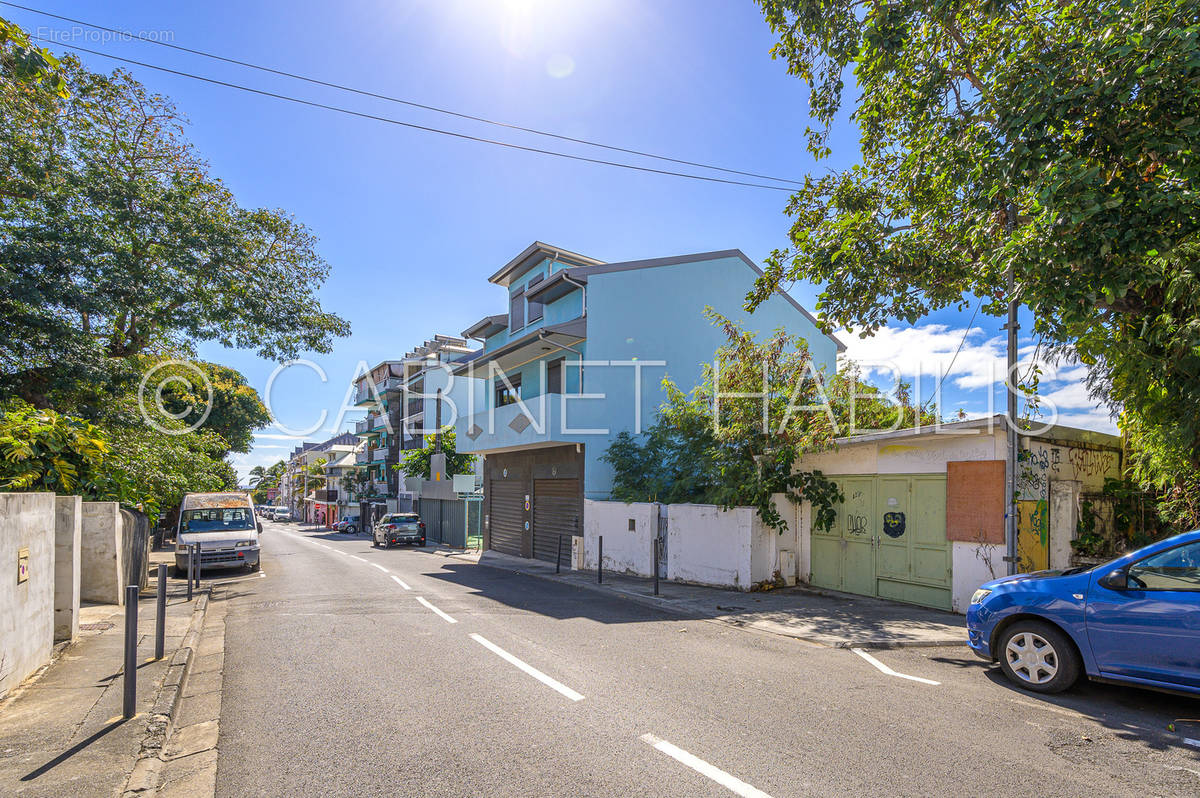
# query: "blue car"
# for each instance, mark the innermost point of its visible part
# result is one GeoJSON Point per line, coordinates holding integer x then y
{"type": "Point", "coordinates": [1135, 620]}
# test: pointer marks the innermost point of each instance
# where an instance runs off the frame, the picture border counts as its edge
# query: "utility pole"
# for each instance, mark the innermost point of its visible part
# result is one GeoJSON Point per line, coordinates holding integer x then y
{"type": "Point", "coordinates": [1010, 415]}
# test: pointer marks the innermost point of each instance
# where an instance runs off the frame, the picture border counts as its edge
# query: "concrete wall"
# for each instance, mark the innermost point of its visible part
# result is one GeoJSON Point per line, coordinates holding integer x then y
{"type": "Point", "coordinates": [68, 531]}
{"type": "Point", "coordinates": [27, 520]}
{"type": "Point", "coordinates": [710, 546]}
{"type": "Point", "coordinates": [625, 550]}
{"type": "Point", "coordinates": [102, 542]}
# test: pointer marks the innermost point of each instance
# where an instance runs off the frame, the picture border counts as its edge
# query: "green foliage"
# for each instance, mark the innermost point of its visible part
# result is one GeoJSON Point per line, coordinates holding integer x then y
{"type": "Point", "coordinates": [41, 450]}
{"type": "Point", "coordinates": [116, 242]}
{"type": "Point", "coordinates": [236, 409]}
{"type": "Point", "coordinates": [1055, 139]}
{"type": "Point", "coordinates": [416, 462]}
{"type": "Point", "coordinates": [743, 451]}
{"type": "Point", "coordinates": [263, 480]}
{"type": "Point", "coordinates": [30, 65]}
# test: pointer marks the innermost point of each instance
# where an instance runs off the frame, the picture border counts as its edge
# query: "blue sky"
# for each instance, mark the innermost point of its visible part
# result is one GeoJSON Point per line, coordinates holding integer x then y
{"type": "Point", "coordinates": [413, 223]}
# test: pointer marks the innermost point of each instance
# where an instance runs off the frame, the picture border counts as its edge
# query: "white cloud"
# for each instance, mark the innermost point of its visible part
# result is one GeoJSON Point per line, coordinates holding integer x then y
{"type": "Point", "coordinates": [923, 353]}
{"type": "Point", "coordinates": [272, 436]}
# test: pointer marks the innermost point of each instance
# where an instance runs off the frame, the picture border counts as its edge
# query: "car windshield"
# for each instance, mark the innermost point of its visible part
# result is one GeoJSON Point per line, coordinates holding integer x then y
{"type": "Point", "coordinates": [216, 520]}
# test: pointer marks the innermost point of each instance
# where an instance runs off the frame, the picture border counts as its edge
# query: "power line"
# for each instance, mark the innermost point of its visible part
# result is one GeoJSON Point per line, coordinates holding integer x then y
{"type": "Point", "coordinates": [389, 120]}
{"type": "Point", "coordinates": [937, 389]}
{"type": "Point", "coordinates": [366, 93]}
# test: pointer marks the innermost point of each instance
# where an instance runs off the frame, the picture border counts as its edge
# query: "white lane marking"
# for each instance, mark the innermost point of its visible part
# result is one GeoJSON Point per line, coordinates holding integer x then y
{"type": "Point", "coordinates": [1190, 741]}
{"type": "Point", "coordinates": [697, 764]}
{"type": "Point", "coordinates": [429, 606]}
{"type": "Point", "coordinates": [886, 670]}
{"type": "Point", "coordinates": [356, 557]}
{"type": "Point", "coordinates": [532, 671]}
{"type": "Point", "coordinates": [380, 567]}
{"type": "Point", "coordinates": [400, 582]}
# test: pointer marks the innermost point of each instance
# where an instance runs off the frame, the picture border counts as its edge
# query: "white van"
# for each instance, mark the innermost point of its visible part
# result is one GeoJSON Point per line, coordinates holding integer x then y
{"type": "Point", "coordinates": [224, 527]}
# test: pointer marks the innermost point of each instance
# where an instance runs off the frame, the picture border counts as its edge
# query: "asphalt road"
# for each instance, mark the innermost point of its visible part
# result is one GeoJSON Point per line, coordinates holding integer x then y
{"type": "Point", "coordinates": [340, 681]}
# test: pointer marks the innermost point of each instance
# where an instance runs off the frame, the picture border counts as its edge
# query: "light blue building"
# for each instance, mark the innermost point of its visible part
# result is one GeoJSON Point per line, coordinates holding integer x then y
{"type": "Point", "coordinates": [578, 357]}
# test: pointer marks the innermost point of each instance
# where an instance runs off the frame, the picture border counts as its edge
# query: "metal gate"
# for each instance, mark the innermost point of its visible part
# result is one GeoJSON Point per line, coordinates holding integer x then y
{"type": "Point", "coordinates": [506, 519]}
{"type": "Point", "coordinates": [888, 540]}
{"type": "Point", "coordinates": [556, 513]}
{"type": "Point", "coordinates": [431, 514]}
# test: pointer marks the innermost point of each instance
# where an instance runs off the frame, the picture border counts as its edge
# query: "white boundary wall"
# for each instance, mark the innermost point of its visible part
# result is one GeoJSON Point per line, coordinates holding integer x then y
{"type": "Point", "coordinates": [26, 607]}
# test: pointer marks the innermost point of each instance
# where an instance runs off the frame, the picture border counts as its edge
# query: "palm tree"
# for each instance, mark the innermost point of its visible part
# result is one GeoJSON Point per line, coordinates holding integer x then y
{"type": "Point", "coordinates": [257, 475]}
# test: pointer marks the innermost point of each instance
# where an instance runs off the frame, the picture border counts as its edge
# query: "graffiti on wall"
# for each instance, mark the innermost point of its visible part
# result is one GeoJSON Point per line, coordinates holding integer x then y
{"type": "Point", "coordinates": [1042, 462]}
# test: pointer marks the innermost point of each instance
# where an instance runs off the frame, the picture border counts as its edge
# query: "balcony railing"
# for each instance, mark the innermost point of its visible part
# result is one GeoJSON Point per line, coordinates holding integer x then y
{"type": "Point", "coordinates": [362, 426]}
{"type": "Point", "coordinates": [378, 422]}
{"type": "Point", "coordinates": [545, 423]}
{"type": "Point", "coordinates": [362, 457]}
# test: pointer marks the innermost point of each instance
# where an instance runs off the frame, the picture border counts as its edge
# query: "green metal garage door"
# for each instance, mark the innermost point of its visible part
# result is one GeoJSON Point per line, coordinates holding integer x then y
{"type": "Point", "coordinates": [889, 540]}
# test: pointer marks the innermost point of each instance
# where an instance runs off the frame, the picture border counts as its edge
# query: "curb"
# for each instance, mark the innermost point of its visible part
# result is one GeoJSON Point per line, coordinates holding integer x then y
{"type": "Point", "coordinates": [143, 779]}
{"type": "Point", "coordinates": [669, 605]}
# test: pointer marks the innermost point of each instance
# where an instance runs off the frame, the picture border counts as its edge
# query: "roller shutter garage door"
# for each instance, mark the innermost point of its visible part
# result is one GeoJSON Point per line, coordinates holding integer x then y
{"type": "Point", "coordinates": [557, 511]}
{"type": "Point", "coordinates": [507, 520]}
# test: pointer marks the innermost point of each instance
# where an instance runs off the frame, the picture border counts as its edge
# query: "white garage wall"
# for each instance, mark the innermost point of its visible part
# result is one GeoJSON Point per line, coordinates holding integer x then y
{"type": "Point", "coordinates": [625, 551]}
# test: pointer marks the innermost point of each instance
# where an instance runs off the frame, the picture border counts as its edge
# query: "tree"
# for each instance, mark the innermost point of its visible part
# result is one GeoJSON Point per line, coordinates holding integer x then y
{"type": "Point", "coordinates": [26, 63]}
{"type": "Point", "coordinates": [417, 462]}
{"type": "Point", "coordinates": [263, 480]}
{"type": "Point", "coordinates": [744, 451]}
{"type": "Point", "coordinates": [1056, 140]}
{"type": "Point", "coordinates": [236, 409]}
{"type": "Point", "coordinates": [116, 242]}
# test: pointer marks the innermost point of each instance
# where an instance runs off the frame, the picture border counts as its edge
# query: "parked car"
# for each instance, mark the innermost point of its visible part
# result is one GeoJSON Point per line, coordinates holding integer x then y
{"type": "Point", "coordinates": [396, 528]}
{"type": "Point", "coordinates": [347, 524]}
{"type": "Point", "coordinates": [223, 528]}
{"type": "Point", "coordinates": [1134, 620]}
{"type": "Point", "coordinates": [281, 514]}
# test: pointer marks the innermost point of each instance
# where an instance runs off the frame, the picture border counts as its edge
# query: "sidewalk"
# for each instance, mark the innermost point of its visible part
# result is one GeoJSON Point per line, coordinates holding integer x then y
{"type": "Point", "coordinates": [61, 733]}
{"type": "Point", "coordinates": [832, 619]}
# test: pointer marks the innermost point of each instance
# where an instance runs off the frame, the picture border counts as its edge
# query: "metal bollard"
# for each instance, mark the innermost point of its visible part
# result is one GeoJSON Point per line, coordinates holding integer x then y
{"type": "Point", "coordinates": [654, 565]}
{"type": "Point", "coordinates": [189, 571]}
{"type": "Point", "coordinates": [558, 557]}
{"type": "Point", "coordinates": [131, 638]}
{"type": "Point", "coordinates": [160, 614]}
{"type": "Point", "coordinates": [196, 569]}
{"type": "Point", "coordinates": [600, 560]}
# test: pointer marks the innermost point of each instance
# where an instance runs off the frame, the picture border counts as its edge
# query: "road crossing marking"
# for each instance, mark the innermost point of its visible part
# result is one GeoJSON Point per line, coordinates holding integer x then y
{"type": "Point", "coordinates": [886, 670]}
{"type": "Point", "coordinates": [400, 582]}
{"type": "Point", "coordinates": [356, 557]}
{"type": "Point", "coordinates": [380, 567]}
{"type": "Point", "coordinates": [532, 671]}
{"type": "Point", "coordinates": [729, 782]}
{"type": "Point", "coordinates": [429, 606]}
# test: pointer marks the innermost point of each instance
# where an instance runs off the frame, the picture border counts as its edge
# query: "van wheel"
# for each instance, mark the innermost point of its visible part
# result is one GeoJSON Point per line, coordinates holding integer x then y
{"type": "Point", "coordinates": [1038, 657]}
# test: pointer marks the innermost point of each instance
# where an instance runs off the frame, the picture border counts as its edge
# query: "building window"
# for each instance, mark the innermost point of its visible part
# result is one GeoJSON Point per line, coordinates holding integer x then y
{"type": "Point", "coordinates": [506, 395]}
{"type": "Point", "coordinates": [554, 376]}
{"type": "Point", "coordinates": [516, 311]}
{"type": "Point", "coordinates": [535, 308]}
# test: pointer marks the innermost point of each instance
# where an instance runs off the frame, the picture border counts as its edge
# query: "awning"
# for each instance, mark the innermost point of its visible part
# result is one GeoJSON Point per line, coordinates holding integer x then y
{"type": "Point", "coordinates": [532, 345]}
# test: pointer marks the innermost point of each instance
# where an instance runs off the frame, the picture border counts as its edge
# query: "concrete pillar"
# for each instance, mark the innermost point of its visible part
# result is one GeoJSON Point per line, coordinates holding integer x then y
{"type": "Point", "coordinates": [26, 585]}
{"type": "Point", "coordinates": [101, 568]}
{"type": "Point", "coordinates": [68, 530]}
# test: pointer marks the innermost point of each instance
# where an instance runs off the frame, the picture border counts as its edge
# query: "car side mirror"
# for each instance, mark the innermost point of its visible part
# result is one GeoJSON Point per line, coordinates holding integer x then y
{"type": "Point", "coordinates": [260, 527]}
{"type": "Point", "coordinates": [1115, 580]}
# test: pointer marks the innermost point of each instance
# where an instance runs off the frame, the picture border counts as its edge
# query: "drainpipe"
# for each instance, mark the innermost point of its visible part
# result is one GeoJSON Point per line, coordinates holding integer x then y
{"type": "Point", "coordinates": [582, 288]}
{"type": "Point", "coordinates": [542, 337]}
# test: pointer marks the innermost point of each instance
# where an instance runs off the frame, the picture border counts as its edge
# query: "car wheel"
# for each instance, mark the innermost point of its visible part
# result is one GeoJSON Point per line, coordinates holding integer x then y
{"type": "Point", "coordinates": [254, 567]}
{"type": "Point", "coordinates": [1038, 657]}
{"type": "Point", "coordinates": [350, 530]}
{"type": "Point", "coordinates": [387, 544]}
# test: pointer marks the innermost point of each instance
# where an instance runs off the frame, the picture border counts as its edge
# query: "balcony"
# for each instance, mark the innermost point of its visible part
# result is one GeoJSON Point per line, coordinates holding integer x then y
{"type": "Point", "coordinates": [362, 426]}
{"type": "Point", "coordinates": [377, 422]}
{"type": "Point", "coordinates": [377, 455]}
{"type": "Point", "coordinates": [379, 488]}
{"type": "Point", "coordinates": [327, 496]}
{"type": "Point", "coordinates": [510, 427]}
{"type": "Point", "coordinates": [362, 457]}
